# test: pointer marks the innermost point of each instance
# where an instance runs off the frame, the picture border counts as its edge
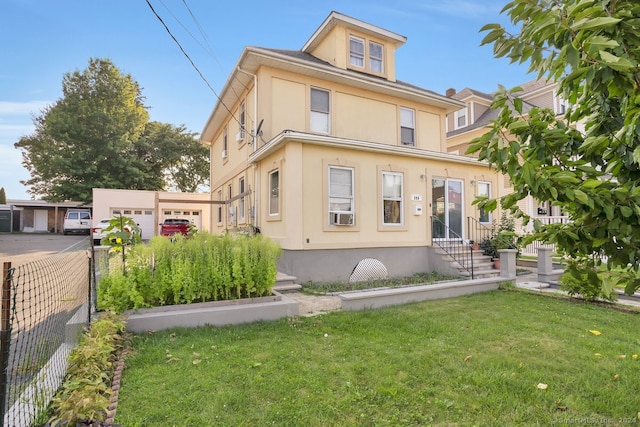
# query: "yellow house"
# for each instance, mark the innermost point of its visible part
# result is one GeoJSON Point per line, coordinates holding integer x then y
{"type": "Point", "coordinates": [476, 116]}
{"type": "Point", "coordinates": [324, 151]}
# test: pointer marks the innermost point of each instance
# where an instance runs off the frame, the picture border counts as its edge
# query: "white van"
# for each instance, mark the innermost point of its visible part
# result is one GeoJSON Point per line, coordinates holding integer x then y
{"type": "Point", "coordinates": [77, 221]}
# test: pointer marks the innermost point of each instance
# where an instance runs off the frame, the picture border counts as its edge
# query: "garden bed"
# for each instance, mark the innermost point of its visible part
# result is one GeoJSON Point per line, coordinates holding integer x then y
{"type": "Point", "coordinates": [215, 313]}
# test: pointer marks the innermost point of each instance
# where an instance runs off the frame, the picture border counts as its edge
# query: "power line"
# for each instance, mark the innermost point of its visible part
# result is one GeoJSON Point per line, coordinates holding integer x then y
{"type": "Point", "coordinates": [192, 63]}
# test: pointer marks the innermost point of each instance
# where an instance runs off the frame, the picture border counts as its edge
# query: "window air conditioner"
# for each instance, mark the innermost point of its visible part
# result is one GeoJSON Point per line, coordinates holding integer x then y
{"type": "Point", "coordinates": [224, 154]}
{"type": "Point", "coordinates": [341, 218]}
{"type": "Point", "coordinates": [240, 136]}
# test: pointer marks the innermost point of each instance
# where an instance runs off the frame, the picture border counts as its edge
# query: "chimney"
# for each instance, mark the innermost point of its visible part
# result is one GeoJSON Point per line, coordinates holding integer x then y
{"type": "Point", "coordinates": [450, 92]}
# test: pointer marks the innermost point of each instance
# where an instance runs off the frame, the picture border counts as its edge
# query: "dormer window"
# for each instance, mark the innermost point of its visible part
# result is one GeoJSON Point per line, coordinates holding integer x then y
{"type": "Point", "coordinates": [366, 55]}
{"type": "Point", "coordinates": [375, 57]}
{"type": "Point", "coordinates": [356, 51]}
{"type": "Point", "coordinates": [460, 118]}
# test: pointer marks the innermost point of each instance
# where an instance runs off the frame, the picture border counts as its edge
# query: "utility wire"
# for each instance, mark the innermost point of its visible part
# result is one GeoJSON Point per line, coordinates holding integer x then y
{"type": "Point", "coordinates": [192, 63]}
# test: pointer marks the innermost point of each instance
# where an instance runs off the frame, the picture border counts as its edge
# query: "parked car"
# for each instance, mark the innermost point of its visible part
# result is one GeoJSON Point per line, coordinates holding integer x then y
{"type": "Point", "coordinates": [98, 230]}
{"type": "Point", "coordinates": [172, 226]}
{"type": "Point", "coordinates": [77, 221]}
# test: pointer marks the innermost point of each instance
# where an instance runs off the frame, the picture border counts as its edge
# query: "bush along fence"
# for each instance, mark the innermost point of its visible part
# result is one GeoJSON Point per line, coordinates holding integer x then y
{"type": "Point", "coordinates": [45, 307]}
{"type": "Point", "coordinates": [183, 270]}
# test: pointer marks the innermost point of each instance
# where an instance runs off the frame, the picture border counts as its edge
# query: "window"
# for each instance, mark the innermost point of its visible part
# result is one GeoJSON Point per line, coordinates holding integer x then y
{"type": "Point", "coordinates": [460, 118]}
{"type": "Point", "coordinates": [242, 121]}
{"type": "Point", "coordinates": [225, 142]}
{"type": "Point", "coordinates": [407, 127]}
{"type": "Point", "coordinates": [484, 191]}
{"type": "Point", "coordinates": [375, 57]}
{"type": "Point", "coordinates": [392, 198]}
{"type": "Point", "coordinates": [340, 189]}
{"type": "Point", "coordinates": [241, 207]}
{"type": "Point", "coordinates": [319, 110]}
{"type": "Point", "coordinates": [274, 192]}
{"type": "Point", "coordinates": [356, 52]}
{"type": "Point", "coordinates": [220, 207]}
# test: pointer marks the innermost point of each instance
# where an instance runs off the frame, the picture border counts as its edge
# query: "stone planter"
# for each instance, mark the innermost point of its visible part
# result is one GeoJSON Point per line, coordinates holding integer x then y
{"type": "Point", "coordinates": [216, 313]}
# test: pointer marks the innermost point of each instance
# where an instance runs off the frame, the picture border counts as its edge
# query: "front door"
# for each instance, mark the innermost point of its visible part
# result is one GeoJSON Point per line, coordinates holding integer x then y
{"type": "Point", "coordinates": [447, 208]}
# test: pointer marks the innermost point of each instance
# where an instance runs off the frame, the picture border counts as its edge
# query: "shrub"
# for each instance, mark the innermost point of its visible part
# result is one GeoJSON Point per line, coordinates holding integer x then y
{"type": "Point", "coordinates": [183, 270]}
{"type": "Point", "coordinates": [503, 237]}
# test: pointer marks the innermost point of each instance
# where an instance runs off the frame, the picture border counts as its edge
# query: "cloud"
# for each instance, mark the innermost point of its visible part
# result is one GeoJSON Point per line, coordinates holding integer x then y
{"type": "Point", "coordinates": [9, 108]}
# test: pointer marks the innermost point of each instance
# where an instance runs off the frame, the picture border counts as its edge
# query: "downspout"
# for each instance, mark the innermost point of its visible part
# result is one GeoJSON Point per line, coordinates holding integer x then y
{"type": "Point", "coordinates": [254, 141]}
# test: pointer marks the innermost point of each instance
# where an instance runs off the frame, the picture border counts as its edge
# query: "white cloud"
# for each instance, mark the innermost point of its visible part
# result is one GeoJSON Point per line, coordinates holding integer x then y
{"type": "Point", "coordinates": [10, 108]}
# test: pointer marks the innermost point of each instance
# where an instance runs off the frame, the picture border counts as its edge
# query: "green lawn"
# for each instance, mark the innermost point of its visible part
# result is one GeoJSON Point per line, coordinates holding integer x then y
{"type": "Point", "coordinates": [476, 360]}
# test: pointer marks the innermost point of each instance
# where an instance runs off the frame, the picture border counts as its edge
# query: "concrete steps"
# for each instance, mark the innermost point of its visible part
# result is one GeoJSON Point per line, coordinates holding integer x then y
{"type": "Point", "coordinates": [482, 265]}
{"type": "Point", "coordinates": [285, 284]}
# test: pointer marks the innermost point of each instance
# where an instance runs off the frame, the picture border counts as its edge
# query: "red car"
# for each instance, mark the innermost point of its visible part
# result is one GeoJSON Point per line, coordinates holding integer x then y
{"type": "Point", "coordinates": [172, 226]}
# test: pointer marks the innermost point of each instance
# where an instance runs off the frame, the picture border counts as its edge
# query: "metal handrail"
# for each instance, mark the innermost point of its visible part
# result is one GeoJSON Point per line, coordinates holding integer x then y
{"type": "Point", "coordinates": [479, 232]}
{"type": "Point", "coordinates": [454, 246]}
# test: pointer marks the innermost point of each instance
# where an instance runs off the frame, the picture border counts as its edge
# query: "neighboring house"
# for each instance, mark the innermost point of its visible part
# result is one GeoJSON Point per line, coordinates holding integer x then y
{"type": "Point", "coordinates": [476, 116]}
{"type": "Point", "coordinates": [39, 216]}
{"type": "Point", "coordinates": [324, 151]}
{"type": "Point", "coordinates": [150, 208]}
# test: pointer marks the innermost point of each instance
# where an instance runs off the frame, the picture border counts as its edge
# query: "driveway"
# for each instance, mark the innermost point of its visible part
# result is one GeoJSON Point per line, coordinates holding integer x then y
{"type": "Point", "coordinates": [21, 248]}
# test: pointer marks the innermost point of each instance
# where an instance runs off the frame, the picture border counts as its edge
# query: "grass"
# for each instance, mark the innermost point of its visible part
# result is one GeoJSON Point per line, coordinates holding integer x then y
{"type": "Point", "coordinates": [475, 360]}
{"type": "Point", "coordinates": [317, 288]}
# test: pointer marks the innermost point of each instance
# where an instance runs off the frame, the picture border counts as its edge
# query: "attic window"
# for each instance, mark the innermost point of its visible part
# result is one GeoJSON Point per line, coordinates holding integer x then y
{"type": "Point", "coordinates": [356, 51]}
{"type": "Point", "coordinates": [461, 118]}
{"type": "Point", "coordinates": [375, 57]}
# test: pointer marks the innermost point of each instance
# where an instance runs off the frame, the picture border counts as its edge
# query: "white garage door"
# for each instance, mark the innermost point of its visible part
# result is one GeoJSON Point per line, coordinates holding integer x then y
{"type": "Point", "coordinates": [143, 217]}
{"type": "Point", "coordinates": [193, 216]}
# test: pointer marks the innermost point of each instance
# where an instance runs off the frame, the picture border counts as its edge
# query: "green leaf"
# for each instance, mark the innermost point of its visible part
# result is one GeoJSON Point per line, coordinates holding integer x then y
{"type": "Point", "coordinates": [581, 197]}
{"type": "Point", "coordinates": [594, 23]}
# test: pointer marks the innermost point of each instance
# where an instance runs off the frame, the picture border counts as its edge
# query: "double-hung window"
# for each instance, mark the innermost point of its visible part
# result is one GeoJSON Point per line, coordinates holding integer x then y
{"type": "Point", "coordinates": [220, 207]}
{"type": "Point", "coordinates": [356, 51]}
{"type": "Point", "coordinates": [241, 203]}
{"type": "Point", "coordinates": [274, 192]}
{"type": "Point", "coordinates": [319, 110]}
{"type": "Point", "coordinates": [340, 189]}
{"type": "Point", "coordinates": [460, 118]}
{"type": "Point", "coordinates": [407, 126]}
{"type": "Point", "coordinates": [484, 191]}
{"type": "Point", "coordinates": [392, 203]}
{"type": "Point", "coordinates": [225, 142]}
{"type": "Point", "coordinates": [376, 57]}
{"type": "Point", "coordinates": [242, 121]}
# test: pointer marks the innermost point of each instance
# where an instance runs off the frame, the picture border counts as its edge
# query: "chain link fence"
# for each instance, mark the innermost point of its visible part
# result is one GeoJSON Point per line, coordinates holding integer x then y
{"type": "Point", "coordinates": [46, 304]}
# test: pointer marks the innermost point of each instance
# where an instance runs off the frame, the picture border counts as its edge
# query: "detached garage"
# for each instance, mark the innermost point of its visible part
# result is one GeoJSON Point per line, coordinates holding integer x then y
{"type": "Point", "coordinates": [150, 208]}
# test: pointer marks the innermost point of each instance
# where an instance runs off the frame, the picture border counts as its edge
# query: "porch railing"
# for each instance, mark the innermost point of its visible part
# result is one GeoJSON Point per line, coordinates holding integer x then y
{"type": "Point", "coordinates": [453, 245]}
{"type": "Point", "coordinates": [479, 232]}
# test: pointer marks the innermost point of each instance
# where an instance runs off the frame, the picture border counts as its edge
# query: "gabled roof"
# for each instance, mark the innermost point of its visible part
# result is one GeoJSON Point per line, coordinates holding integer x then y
{"type": "Point", "coordinates": [467, 92]}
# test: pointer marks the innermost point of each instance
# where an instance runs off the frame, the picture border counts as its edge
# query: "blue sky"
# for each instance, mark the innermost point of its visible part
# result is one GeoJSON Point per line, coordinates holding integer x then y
{"type": "Point", "coordinates": [41, 40]}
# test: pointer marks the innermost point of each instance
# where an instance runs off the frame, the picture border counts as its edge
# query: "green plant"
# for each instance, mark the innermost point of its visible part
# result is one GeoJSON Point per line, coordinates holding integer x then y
{"type": "Point", "coordinates": [85, 392]}
{"type": "Point", "coordinates": [503, 237]}
{"type": "Point", "coordinates": [183, 270]}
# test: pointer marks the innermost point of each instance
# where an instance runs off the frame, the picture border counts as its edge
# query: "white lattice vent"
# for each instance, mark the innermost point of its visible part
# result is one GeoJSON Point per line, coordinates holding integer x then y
{"type": "Point", "coordinates": [368, 269]}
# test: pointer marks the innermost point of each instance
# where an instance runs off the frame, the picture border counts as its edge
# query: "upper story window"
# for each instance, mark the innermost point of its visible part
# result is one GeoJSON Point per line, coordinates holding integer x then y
{"type": "Point", "coordinates": [356, 51]}
{"type": "Point", "coordinates": [560, 105]}
{"type": "Point", "coordinates": [460, 118]}
{"type": "Point", "coordinates": [225, 142]}
{"type": "Point", "coordinates": [376, 57]}
{"type": "Point", "coordinates": [319, 117]}
{"type": "Point", "coordinates": [407, 126]}
{"type": "Point", "coordinates": [242, 122]}
{"type": "Point", "coordinates": [392, 198]}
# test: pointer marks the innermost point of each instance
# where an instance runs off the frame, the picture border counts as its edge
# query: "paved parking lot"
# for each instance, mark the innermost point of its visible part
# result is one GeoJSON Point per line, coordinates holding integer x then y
{"type": "Point", "coordinates": [20, 248]}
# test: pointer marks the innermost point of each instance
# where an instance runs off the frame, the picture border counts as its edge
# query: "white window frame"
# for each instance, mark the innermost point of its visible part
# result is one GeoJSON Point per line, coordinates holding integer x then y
{"type": "Point", "coordinates": [410, 125]}
{"type": "Point", "coordinates": [319, 118]}
{"type": "Point", "coordinates": [333, 194]}
{"type": "Point", "coordinates": [356, 59]}
{"type": "Point", "coordinates": [225, 142]}
{"type": "Point", "coordinates": [241, 187]}
{"type": "Point", "coordinates": [480, 193]}
{"type": "Point", "coordinates": [463, 113]}
{"type": "Point", "coordinates": [379, 61]}
{"type": "Point", "coordinates": [393, 198]}
{"type": "Point", "coordinates": [274, 193]}
{"type": "Point", "coordinates": [220, 207]}
{"type": "Point", "coordinates": [242, 120]}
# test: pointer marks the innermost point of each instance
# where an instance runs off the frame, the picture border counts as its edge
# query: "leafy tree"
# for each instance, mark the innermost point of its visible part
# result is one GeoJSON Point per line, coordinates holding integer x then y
{"type": "Point", "coordinates": [3, 196]}
{"type": "Point", "coordinates": [587, 162]}
{"type": "Point", "coordinates": [98, 135]}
